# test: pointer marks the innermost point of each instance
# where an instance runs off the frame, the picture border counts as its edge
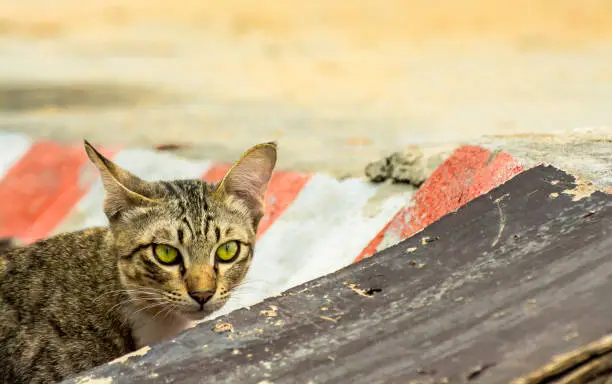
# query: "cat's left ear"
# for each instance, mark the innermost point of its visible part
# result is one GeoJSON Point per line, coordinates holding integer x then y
{"type": "Point", "coordinates": [123, 189]}
{"type": "Point", "coordinates": [248, 178]}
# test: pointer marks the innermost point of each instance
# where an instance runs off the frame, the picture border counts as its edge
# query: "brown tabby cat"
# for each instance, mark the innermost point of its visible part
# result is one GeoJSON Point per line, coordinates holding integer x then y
{"type": "Point", "coordinates": [173, 252]}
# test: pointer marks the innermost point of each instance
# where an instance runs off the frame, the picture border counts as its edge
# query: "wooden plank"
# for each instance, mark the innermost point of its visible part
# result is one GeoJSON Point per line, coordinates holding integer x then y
{"type": "Point", "coordinates": [484, 295]}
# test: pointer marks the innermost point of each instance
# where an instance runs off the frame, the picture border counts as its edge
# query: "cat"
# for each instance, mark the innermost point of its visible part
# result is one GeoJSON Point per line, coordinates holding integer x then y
{"type": "Point", "coordinates": [172, 254]}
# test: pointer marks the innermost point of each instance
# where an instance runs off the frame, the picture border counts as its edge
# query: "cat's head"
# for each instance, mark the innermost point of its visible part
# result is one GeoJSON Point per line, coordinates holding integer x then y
{"type": "Point", "coordinates": [184, 245]}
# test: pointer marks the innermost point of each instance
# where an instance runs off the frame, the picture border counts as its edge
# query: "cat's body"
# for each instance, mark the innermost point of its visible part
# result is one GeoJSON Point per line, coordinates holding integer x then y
{"type": "Point", "coordinates": [55, 321]}
{"type": "Point", "coordinates": [172, 254]}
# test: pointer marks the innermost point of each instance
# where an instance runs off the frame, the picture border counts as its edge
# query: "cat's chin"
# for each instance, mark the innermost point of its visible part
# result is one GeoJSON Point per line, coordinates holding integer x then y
{"type": "Point", "coordinates": [193, 314]}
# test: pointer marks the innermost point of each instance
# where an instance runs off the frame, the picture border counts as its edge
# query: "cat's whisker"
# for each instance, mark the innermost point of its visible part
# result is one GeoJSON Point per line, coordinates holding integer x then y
{"type": "Point", "coordinates": [172, 308]}
{"type": "Point", "coordinates": [157, 304]}
{"type": "Point", "coordinates": [143, 287]}
{"type": "Point", "coordinates": [249, 284]}
{"type": "Point", "coordinates": [158, 313]}
{"type": "Point", "coordinates": [166, 311]}
{"type": "Point", "coordinates": [133, 301]}
{"type": "Point", "coordinates": [138, 288]}
{"type": "Point", "coordinates": [128, 293]}
{"type": "Point", "coordinates": [251, 281]}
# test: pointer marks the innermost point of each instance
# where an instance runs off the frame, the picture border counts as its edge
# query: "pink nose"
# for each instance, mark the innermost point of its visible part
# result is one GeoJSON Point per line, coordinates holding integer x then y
{"type": "Point", "coordinates": [202, 296]}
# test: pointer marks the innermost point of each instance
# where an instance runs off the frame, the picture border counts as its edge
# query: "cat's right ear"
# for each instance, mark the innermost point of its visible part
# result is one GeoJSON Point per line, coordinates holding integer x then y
{"type": "Point", "coordinates": [248, 178]}
{"type": "Point", "coordinates": [123, 189]}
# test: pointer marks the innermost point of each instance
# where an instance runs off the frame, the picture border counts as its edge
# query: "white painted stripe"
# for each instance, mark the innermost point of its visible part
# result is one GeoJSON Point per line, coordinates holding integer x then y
{"type": "Point", "coordinates": [12, 148]}
{"type": "Point", "coordinates": [324, 229]}
{"type": "Point", "coordinates": [148, 165]}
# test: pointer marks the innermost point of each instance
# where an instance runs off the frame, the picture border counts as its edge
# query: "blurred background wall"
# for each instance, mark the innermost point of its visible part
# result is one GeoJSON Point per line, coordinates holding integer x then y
{"type": "Point", "coordinates": [336, 82]}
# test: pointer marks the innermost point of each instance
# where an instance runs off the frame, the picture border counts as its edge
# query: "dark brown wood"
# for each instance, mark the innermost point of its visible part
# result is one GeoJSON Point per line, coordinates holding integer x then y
{"type": "Point", "coordinates": [486, 294]}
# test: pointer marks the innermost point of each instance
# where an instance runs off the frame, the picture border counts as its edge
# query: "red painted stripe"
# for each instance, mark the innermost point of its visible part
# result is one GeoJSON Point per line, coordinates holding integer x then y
{"type": "Point", "coordinates": [40, 190]}
{"type": "Point", "coordinates": [282, 191]}
{"type": "Point", "coordinates": [216, 172]}
{"type": "Point", "coordinates": [468, 173]}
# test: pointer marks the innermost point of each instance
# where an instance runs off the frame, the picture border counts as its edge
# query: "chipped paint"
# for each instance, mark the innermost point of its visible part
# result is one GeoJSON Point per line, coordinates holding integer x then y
{"type": "Point", "coordinates": [123, 359]}
{"type": "Point", "coordinates": [93, 380]}
{"type": "Point", "coordinates": [272, 312]}
{"type": "Point", "coordinates": [223, 327]}
{"type": "Point", "coordinates": [427, 240]}
{"type": "Point", "coordinates": [582, 190]}
{"type": "Point", "coordinates": [354, 288]}
{"type": "Point", "coordinates": [328, 319]}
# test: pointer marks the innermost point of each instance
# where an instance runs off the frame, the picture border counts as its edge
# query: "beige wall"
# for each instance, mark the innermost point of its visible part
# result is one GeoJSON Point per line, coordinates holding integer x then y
{"type": "Point", "coordinates": [337, 82]}
{"type": "Point", "coordinates": [363, 22]}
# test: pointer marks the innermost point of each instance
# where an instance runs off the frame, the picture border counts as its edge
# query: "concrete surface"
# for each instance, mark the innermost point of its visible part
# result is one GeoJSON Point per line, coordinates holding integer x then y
{"type": "Point", "coordinates": [583, 152]}
{"type": "Point", "coordinates": [338, 84]}
{"type": "Point", "coordinates": [412, 165]}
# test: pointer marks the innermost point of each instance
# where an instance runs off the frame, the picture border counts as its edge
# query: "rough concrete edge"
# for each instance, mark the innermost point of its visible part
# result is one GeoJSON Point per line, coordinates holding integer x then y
{"type": "Point", "coordinates": [581, 152]}
{"type": "Point", "coordinates": [414, 164]}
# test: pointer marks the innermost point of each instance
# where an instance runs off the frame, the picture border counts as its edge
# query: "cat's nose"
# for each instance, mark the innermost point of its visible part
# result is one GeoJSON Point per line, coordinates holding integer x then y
{"type": "Point", "coordinates": [202, 296]}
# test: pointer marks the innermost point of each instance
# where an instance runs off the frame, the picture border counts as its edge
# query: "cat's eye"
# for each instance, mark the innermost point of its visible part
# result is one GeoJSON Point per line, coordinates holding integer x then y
{"type": "Point", "coordinates": [166, 254]}
{"type": "Point", "coordinates": [228, 251]}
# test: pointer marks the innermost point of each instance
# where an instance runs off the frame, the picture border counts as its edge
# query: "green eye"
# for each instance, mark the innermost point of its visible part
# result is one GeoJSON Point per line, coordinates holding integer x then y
{"type": "Point", "coordinates": [166, 254]}
{"type": "Point", "coordinates": [228, 251]}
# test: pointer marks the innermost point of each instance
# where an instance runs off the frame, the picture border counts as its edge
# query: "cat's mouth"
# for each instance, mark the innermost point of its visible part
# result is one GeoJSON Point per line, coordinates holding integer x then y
{"type": "Point", "coordinates": [196, 314]}
{"type": "Point", "coordinates": [188, 308]}
{"type": "Point", "coordinates": [199, 311]}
